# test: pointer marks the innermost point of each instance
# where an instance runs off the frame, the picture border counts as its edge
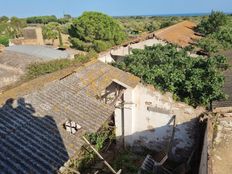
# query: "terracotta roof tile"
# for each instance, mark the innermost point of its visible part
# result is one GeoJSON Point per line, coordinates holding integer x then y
{"type": "Point", "coordinates": [181, 34]}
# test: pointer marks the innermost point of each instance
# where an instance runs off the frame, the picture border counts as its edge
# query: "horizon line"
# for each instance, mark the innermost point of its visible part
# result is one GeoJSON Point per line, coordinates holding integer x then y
{"type": "Point", "coordinates": [142, 15]}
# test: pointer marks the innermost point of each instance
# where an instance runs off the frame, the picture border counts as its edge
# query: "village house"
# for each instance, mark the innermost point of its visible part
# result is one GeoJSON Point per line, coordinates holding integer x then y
{"type": "Point", "coordinates": [181, 34]}
{"type": "Point", "coordinates": [33, 35]}
{"type": "Point", "coordinates": [15, 59]}
{"type": "Point", "coordinates": [43, 129]}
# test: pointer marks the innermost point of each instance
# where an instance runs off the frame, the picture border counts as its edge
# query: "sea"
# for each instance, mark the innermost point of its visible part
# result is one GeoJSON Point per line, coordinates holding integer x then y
{"type": "Point", "coordinates": [177, 15]}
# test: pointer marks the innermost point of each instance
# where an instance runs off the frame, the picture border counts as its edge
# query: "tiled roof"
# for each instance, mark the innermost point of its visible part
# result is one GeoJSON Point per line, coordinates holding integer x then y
{"type": "Point", "coordinates": [33, 139]}
{"type": "Point", "coordinates": [181, 34]}
{"type": "Point", "coordinates": [95, 76]}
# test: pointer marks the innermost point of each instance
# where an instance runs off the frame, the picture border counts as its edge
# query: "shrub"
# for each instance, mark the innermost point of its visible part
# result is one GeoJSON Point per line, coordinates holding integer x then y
{"type": "Point", "coordinates": [209, 45]}
{"type": "Point", "coordinates": [80, 45]}
{"type": "Point", "coordinates": [38, 69]}
{"type": "Point", "coordinates": [213, 23]}
{"type": "Point", "coordinates": [100, 46]}
{"type": "Point", "coordinates": [4, 40]}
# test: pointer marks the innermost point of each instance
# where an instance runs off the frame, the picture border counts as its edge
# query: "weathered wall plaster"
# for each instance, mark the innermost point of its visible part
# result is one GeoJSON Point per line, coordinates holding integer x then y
{"type": "Point", "coordinates": [147, 117]}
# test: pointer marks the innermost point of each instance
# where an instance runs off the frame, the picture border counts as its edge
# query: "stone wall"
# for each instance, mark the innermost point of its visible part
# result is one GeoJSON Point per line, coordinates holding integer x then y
{"type": "Point", "coordinates": [31, 36]}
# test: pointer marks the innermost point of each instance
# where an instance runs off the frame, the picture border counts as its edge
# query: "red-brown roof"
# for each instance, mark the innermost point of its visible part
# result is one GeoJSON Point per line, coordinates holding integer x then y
{"type": "Point", "coordinates": [181, 34]}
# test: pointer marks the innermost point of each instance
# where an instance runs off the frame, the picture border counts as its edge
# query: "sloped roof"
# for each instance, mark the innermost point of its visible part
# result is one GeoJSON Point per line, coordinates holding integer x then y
{"type": "Point", "coordinates": [33, 139]}
{"type": "Point", "coordinates": [181, 34]}
{"type": "Point", "coordinates": [95, 76]}
{"type": "Point", "coordinates": [17, 59]}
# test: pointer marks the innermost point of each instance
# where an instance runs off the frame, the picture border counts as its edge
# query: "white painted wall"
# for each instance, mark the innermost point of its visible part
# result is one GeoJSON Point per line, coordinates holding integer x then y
{"type": "Point", "coordinates": [124, 51]}
{"type": "Point", "coordinates": [149, 128]}
{"type": "Point", "coordinates": [106, 57]}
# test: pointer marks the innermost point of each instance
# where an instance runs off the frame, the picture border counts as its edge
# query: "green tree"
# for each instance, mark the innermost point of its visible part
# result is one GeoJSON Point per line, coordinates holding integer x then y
{"type": "Point", "coordinates": [4, 40]}
{"type": "Point", "coordinates": [224, 36]}
{"type": "Point", "coordinates": [4, 19]}
{"type": "Point", "coordinates": [52, 31]}
{"type": "Point", "coordinates": [93, 26]}
{"type": "Point", "coordinates": [16, 25]}
{"type": "Point", "coordinates": [213, 23]}
{"type": "Point", "coordinates": [41, 19]}
{"type": "Point", "coordinates": [196, 81]}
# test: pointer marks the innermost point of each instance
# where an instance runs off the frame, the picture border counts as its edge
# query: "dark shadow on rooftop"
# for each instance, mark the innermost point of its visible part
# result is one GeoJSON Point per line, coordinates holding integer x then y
{"type": "Point", "coordinates": [29, 143]}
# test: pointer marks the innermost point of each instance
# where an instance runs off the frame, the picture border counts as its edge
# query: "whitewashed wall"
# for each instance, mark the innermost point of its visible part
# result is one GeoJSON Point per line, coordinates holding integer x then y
{"type": "Point", "coordinates": [144, 128]}
{"type": "Point", "coordinates": [124, 51]}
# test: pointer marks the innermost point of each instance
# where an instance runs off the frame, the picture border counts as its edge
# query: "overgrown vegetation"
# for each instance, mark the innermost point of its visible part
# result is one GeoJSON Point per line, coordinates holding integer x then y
{"type": "Point", "coordinates": [11, 27]}
{"type": "Point", "coordinates": [38, 69]}
{"type": "Point", "coordinates": [4, 40]}
{"type": "Point", "coordinates": [94, 30]}
{"type": "Point", "coordinates": [217, 29]}
{"type": "Point", "coordinates": [47, 19]}
{"type": "Point", "coordinates": [52, 31]}
{"type": "Point", "coordinates": [128, 161]}
{"type": "Point", "coordinates": [196, 81]}
{"type": "Point", "coordinates": [101, 142]}
{"type": "Point", "coordinates": [41, 19]}
{"type": "Point", "coordinates": [212, 23]}
{"type": "Point", "coordinates": [136, 25]}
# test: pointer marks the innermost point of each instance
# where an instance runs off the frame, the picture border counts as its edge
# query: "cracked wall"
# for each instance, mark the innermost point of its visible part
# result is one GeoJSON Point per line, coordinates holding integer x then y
{"type": "Point", "coordinates": [147, 121]}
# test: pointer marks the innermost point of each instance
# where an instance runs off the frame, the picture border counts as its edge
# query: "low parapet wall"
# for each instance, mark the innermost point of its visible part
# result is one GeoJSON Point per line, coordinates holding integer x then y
{"type": "Point", "coordinates": [205, 166]}
{"type": "Point", "coordinates": [121, 51]}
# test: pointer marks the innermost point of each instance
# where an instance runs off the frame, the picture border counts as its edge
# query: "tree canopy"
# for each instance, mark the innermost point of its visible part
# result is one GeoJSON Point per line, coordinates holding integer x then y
{"type": "Point", "coordinates": [41, 19]}
{"type": "Point", "coordinates": [94, 30]}
{"type": "Point", "coordinates": [11, 27]}
{"type": "Point", "coordinates": [217, 29]}
{"type": "Point", "coordinates": [209, 45]}
{"type": "Point", "coordinates": [196, 81]}
{"type": "Point", "coordinates": [213, 23]}
{"type": "Point", "coordinates": [50, 31]}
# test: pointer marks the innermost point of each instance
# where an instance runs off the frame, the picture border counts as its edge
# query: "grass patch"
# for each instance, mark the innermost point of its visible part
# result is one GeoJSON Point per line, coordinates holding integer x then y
{"type": "Point", "coordinates": [101, 140]}
{"type": "Point", "coordinates": [128, 161]}
{"type": "Point", "coordinates": [38, 69]}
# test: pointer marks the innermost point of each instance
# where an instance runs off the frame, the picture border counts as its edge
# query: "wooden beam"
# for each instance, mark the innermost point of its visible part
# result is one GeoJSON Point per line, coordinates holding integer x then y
{"type": "Point", "coordinates": [99, 155]}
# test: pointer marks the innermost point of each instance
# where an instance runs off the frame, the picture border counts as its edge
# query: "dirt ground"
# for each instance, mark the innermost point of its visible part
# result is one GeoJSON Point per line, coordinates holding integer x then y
{"type": "Point", "coordinates": [222, 153]}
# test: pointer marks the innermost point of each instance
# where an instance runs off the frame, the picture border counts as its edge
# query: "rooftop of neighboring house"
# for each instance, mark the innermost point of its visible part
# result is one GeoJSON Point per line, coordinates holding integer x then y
{"type": "Point", "coordinates": [13, 65]}
{"type": "Point", "coordinates": [43, 52]}
{"type": "Point", "coordinates": [181, 34]}
{"type": "Point", "coordinates": [228, 84]}
{"type": "Point", "coordinates": [16, 59]}
{"type": "Point", "coordinates": [32, 131]}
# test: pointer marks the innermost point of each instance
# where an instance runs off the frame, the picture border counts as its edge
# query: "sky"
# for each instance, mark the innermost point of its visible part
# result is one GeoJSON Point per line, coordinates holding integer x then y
{"type": "Point", "coordinates": [25, 8]}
